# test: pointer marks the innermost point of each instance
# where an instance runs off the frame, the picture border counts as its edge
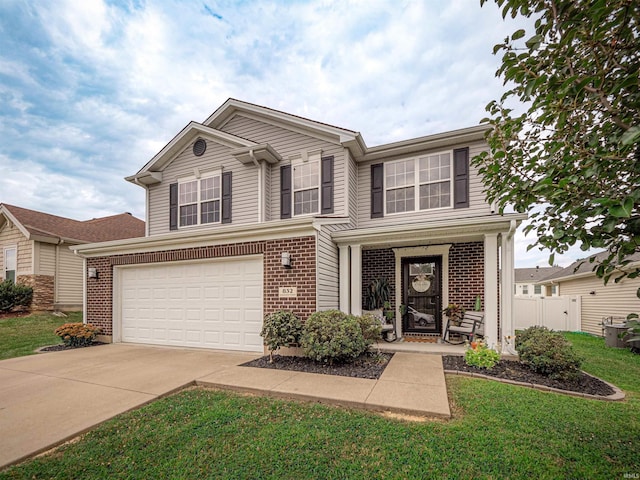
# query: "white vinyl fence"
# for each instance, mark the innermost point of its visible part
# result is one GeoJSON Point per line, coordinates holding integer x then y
{"type": "Point", "coordinates": [555, 313]}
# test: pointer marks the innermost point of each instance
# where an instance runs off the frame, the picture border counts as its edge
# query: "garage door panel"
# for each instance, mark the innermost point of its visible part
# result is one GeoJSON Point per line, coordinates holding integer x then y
{"type": "Point", "coordinates": [215, 304]}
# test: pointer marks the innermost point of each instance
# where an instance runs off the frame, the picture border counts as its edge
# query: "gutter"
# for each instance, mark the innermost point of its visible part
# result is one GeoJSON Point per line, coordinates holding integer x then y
{"type": "Point", "coordinates": [205, 237]}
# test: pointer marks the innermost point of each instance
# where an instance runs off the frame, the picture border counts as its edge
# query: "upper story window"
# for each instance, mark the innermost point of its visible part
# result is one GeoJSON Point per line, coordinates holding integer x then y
{"type": "Point", "coordinates": [423, 181]}
{"type": "Point", "coordinates": [199, 201]}
{"type": "Point", "coordinates": [426, 182]}
{"type": "Point", "coordinates": [306, 187]}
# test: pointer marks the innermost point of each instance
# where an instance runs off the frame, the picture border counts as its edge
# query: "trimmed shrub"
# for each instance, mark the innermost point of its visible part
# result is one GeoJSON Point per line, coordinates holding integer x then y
{"type": "Point", "coordinates": [481, 356]}
{"type": "Point", "coordinates": [280, 329]}
{"type": "Point", "coordinates": [529, 333]}
{"type": "Point", "coordinates": [77, 334]}
{"type": "Point", "coordinates": [371, 328]}
{"type": "Point", "coordinates": [13, 295]}
{"type": "Point", "coordinates": [548, 353]}
{"type": "Point", "coordinates": [333, 336]}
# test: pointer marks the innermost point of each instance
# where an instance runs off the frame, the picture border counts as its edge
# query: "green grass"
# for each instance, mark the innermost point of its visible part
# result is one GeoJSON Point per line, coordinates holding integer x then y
{"type": "Point", "coordinates": [23, 335]}
{"type": "Point", "coordinates": [498, 431]}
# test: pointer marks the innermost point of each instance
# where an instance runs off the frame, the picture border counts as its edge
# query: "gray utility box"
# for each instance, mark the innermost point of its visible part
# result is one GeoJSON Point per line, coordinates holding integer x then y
{"type": "Point", "coordinates": [614, 335]}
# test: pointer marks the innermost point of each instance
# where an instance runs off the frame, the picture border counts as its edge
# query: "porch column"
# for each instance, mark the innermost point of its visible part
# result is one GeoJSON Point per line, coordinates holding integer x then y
{"type": "Point", "coordinates": [506, 293]}
{"type": "Point", "coordinates": [344, 279]}
{"type": "Point", "coordinates": [356, 279]}
{"type": "Point", "coordinates": [491, 288]}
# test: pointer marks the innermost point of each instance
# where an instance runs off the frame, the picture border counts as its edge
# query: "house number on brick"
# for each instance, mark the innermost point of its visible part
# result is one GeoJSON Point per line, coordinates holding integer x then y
{"type": "Point", "coordinates": [287, 292]}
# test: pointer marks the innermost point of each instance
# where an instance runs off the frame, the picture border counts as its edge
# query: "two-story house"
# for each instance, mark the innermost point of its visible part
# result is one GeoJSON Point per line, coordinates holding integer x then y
{"type": "Point", "coordinates": [256, 210]}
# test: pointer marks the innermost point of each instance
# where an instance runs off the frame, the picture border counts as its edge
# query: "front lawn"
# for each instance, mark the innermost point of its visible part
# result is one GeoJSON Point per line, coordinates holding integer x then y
{"type": "Point", "coordinates": [23, 335]}
{"type": "Point", "coordinates": [498, 431]}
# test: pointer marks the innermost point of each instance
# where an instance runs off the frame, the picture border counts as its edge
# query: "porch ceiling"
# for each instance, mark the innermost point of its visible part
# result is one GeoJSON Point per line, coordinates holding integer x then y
{"type": "Point", "coordinates": [427, 233]}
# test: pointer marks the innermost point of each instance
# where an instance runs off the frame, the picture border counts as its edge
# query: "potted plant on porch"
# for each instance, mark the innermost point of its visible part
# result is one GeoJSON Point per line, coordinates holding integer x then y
{"type": "Point", "coordinates": [454, 313]}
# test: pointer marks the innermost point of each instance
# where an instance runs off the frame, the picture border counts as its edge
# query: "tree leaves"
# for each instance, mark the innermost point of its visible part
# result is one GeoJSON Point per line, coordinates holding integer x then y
{"type": "Point", "coordinates": [576, 148]}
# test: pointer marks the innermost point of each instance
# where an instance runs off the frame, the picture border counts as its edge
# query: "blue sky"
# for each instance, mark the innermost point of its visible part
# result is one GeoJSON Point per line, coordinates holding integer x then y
{"type": "Point", "coordinates": [90, 90]}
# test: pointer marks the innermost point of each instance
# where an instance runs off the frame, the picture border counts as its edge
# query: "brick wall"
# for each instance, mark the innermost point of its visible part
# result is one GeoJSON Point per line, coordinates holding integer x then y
{"type": "Point", "coordinates": [379, 263]}
{"type": "Point", "coordinates": [302, 275]}
{"type": "Point", "coordinates": [43, 290]}
{"type": "Point", "coordinates": [466, 273]}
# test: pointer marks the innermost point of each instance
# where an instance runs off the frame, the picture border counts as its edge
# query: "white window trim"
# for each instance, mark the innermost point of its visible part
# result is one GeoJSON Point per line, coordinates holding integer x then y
{"type": "Point", "coordinates": [417, 183]}
{"type": "Point", "coordinates": [305, 158]}
{"type": "Point", "coordinates": [4, 261]}
{"type": "Point", "coordinates": [199, 177]}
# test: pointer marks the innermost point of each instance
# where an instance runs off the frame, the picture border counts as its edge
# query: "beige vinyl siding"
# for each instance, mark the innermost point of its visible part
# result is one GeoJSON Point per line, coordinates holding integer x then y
{"type": "Point", "coordinates": [47, 259]}
{"type": "Point", "coordinates": [268, 173]}
{"type": "Point", "coordinates": [68, 277]}
{"type": "Point", "coordinates": [478, 206]}
{"type": "Point", "coordinates": [11, 236]}
{"type": "Point", "coordinates": [613, 299]}
{"type": "Point", "coordinates": [289, 143]}
{"type": "Point", "coordinates": [328, 269]}
{"type": "Point", "coordinates": [244, 186]}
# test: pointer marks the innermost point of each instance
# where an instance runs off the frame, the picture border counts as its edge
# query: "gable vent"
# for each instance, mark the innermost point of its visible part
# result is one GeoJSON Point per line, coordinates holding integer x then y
{"type": "Point", "coordinates": [199, 147]}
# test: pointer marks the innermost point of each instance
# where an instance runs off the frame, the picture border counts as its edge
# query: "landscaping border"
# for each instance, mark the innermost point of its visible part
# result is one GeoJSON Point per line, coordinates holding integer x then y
{"type": "Point", "coordinates": [618, 396]}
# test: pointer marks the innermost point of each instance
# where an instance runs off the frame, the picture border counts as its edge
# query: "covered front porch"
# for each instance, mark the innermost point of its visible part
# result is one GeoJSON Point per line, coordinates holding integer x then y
{"type": "Point", "coordinates": [429, 266]}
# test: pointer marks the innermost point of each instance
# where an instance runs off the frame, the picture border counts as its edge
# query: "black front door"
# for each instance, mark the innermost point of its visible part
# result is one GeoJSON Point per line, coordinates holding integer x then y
{"type": "Point", "coordinates": [422, 297]}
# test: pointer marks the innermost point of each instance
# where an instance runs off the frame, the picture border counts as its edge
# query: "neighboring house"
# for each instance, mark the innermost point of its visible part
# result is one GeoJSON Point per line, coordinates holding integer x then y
{"type": "Point", "coordinates": [256, 210]}
{"type": "Point", "coordinates": [598, 301]}
{"type": "Point", "coordinates": [34, 249]}
{"type": "Point", "coordinates": [528, 282]}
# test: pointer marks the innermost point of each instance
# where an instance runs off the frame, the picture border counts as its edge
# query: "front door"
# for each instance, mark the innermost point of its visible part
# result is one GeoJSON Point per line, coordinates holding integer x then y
{"type": "Point", "coordinates": [422, 295]}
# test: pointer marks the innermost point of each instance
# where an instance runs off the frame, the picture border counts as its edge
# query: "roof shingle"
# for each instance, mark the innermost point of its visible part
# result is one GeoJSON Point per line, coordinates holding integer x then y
{"type": "Point", "coordinates": [114, 227]}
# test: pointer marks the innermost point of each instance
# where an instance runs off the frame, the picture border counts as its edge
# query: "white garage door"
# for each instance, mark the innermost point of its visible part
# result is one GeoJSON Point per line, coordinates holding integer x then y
{"type": "Point", "coordinates": [209, 304]}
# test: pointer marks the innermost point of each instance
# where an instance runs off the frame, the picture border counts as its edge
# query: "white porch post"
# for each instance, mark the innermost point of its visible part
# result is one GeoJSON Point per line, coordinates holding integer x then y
{"type": "Point", "coordinates": [506, 294]}
{"type": "Point", "coordinates": [491, 288]}
{"type": "Point", "coordinates": [344, 279]}
{"type": "Point", "coordinates": [356, 279]}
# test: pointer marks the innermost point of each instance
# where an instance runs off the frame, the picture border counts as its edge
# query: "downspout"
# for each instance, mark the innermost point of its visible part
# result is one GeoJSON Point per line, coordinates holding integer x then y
{"type": "Point", "coordinates": [84, 286]}
{"type": "Point", "coordinates": [146, 205]}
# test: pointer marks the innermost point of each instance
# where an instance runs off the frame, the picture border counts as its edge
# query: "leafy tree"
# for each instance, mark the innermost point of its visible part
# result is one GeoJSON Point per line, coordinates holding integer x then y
{"type": "Point", "coordinates": [572, 159]}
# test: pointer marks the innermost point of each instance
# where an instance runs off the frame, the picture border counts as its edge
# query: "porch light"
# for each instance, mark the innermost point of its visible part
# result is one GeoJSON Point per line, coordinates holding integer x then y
{"type": "Point", "coordinates": [286, 259]}
{"type": "Point", "coordinates": [92, 272]}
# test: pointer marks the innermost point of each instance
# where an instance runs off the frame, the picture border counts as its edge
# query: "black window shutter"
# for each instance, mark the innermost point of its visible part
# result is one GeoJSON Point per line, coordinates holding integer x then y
{"type": "Point", "coordinates": [461, 178]}
{"type": "Point", "coordinates": [173, 206]}
{"type": "Point", "coordinates": [226, 197]}
{"type": "Point", "coordinates": [377, 190]}
{"type": "Point", "coordinates": [285, 191]}
{"type": "Point", "coordinates": [326, 180]}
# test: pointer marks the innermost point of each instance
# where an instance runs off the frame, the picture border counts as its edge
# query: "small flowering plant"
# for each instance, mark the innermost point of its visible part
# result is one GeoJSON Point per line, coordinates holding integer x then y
{"type": "Point", "coordinates": [481, 356]}
{"type": "Point", "coordinates": [77, 334]}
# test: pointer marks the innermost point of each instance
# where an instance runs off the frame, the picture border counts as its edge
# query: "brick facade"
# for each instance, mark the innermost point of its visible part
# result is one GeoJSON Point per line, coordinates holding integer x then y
{"type": "Point", "coordinates": [302, 274]}
{"type": "Point", "coordinates": [43, 290]}
{"type": "Point", "coordinates": [466, 273]}
{"type": "Point", "coordinates": [376, 264]}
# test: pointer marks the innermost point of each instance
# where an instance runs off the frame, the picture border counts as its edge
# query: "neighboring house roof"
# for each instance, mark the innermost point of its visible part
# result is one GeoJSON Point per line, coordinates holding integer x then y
{"type": "Point", "coordinates": [534, 275]}
{"type": "Point", "coordinates": [46, 227]}
{"type": "Point", "coordinates": [585, 266]}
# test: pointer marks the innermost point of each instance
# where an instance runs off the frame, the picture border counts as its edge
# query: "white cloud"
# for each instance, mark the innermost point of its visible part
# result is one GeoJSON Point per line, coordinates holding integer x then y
{"type": "Point", "coordinates": [94, 89]}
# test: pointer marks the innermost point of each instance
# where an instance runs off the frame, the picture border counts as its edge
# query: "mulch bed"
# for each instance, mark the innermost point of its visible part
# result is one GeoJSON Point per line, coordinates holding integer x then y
{"type": "Point", "coordinates": [369, 365]}
{"type": "Point", "coordinates": [513, 370]}
{"type": "Point", "coordinates": [62, 346]}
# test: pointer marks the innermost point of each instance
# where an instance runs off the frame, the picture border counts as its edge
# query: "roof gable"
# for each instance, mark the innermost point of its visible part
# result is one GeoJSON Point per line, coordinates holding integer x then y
{"type": "Point", "coordinates": [52, 228]}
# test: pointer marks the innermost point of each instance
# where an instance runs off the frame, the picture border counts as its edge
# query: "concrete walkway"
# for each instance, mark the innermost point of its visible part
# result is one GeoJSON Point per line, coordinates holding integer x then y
{"type": "Point", "coordinates": [49, 398]}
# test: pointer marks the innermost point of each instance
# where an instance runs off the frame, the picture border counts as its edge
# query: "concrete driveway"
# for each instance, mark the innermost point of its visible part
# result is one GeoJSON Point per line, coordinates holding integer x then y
{"type": "Point", "coordinates": [49, 398]}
